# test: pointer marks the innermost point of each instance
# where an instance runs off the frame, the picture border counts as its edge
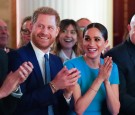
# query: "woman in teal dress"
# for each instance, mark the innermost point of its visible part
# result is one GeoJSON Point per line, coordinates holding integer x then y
{"type": "Point", "coordinates": [99, 79]}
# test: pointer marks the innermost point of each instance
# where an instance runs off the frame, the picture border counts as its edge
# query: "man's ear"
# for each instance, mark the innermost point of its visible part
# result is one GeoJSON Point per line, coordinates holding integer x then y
{"type": "Point", "coordinates": [128, 27]}
{"type": "Point", "coordinates": [57, 31]}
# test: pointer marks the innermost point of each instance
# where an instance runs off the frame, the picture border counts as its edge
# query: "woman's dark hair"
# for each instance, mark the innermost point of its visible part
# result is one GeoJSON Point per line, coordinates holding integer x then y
{"type": "Point", "coordinates": [100, 27]}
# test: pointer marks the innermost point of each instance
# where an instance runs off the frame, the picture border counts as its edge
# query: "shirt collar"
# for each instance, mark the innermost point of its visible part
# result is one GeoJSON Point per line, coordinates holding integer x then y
{"type": "Point", "coordinates": [64, 57]}
{"type": "Point", "coordinates": [38, 52]}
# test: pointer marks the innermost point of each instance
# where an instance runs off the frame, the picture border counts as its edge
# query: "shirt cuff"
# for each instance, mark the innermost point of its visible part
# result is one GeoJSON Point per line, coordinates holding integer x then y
{"type": "Point", "coordinates": [17, 93]}
{"type": "Point", "coordinates": [67, 99]}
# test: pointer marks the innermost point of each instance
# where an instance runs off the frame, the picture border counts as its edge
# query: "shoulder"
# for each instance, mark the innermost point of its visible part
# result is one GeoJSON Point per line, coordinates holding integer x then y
{"type": "Point", "coordinates": [116, 49]}
{"type": "Point", "coordinates": [2, 53]}
{"type": "Point", "coordinates": [76, 62]}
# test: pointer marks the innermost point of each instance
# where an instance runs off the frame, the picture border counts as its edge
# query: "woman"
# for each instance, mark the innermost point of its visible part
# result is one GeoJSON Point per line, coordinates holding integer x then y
{"type": "Point", "coordinates": [66, 45]}
{"type": "Point", "coordinates": [25, 31]}
{"type": "Point", "coordinates": [99, 77]}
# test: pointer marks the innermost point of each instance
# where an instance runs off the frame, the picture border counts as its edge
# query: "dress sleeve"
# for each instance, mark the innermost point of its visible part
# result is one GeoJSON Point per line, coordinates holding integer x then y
{"type": "Point", "coordinates": [114, 78]}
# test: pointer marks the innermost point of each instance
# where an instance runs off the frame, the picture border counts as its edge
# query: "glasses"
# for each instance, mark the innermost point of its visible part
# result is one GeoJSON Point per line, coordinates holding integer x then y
{"type": "Point", "coordinates": [25, 31]}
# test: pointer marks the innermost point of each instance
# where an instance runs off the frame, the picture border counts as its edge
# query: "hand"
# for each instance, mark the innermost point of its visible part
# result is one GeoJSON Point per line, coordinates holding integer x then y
{"type": "Point", "coordinates": [66, 78]}
{"type": "Point", "coordinates": [105, 69]}
{"type": "Point", "coordinates": [14, 79]}
{"type": "Point", "coordinates": [25, 70]}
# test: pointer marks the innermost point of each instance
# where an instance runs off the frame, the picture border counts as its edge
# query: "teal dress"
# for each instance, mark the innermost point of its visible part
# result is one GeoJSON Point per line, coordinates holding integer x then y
{"type": "Point", "coordinates": [88, 75]}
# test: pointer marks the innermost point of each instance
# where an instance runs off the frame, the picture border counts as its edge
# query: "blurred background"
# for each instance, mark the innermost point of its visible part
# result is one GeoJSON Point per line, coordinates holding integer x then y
{"type": "Point", "coordinates": [114, 14]}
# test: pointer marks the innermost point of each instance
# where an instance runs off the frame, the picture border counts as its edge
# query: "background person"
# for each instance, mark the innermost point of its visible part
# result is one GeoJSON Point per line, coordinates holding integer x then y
{"type": "Point", "coordinates": [124, 56]}
{"type": "Point", "coordinates": [4, 36]}
{"type": "Point", "coordinates": [25, 31]}
{"type": "Point", "coordinates": [9, 84]}
{"type": "Point", "coordinates": [66, 45]}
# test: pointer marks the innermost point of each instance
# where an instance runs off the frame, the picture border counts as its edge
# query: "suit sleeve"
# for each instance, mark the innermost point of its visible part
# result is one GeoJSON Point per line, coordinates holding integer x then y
{"type": "Point", "coordinates": [35, 94]}
{"type": "Point", "coordinates": [127, 100]}
{"type": "Point", "coordinates": [126, 75]}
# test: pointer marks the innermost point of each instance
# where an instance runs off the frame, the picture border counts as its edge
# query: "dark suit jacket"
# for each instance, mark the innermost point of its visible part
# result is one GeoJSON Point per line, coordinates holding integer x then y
{"type": "Point", "coordinates": [124, 56]}
{"type": "Point", "coordinates": [7, 104]}
{"type": "Point", "coordinates": [37, 96]}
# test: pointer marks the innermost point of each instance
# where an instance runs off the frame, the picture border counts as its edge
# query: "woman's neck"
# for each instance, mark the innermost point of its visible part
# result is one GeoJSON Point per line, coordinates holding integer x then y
{"type": "Point", "coordinates": [68, 52]}
{"type": "Point", "coordinates": [93, 63]}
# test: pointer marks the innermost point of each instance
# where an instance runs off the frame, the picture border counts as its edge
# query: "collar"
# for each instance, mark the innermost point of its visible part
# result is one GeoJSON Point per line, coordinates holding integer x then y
{"type": "Point", "coordinates": [64, 57]}
{"type": "Point", "coordinates": [39, 53]}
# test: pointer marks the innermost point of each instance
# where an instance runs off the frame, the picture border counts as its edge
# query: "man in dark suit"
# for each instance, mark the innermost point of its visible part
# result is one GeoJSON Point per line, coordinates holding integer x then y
{"type": "Point", "coordinates": [38, 95]}
{"type": "Point", "coordinates": [8, 83]}
{"type": "Point", "coordinates": [124, 56]}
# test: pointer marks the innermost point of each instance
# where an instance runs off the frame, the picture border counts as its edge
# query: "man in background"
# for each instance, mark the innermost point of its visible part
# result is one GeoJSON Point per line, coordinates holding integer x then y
{"type": "Point", "coordinates": [4, 36]}
{"type": "Point", "coordinates": [82, 23]}
{"type": "Point", "coordinates": [124, 56]}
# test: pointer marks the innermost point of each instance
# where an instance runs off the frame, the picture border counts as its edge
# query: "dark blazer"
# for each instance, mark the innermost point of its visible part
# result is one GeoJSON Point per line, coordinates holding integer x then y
{"type": "Point", "coordinates": [37, 96]}
{"type": "Point", "coordinates": [7, 104]}
{"type": "Point", "coordinates": [124, 56]}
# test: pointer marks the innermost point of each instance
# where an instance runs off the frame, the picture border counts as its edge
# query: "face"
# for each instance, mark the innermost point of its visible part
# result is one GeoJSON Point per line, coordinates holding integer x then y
{"type": "Point", "coordinates": [68, 37]}
{"type": "Point", "coordinates": [44, 31]}
{"type": "Point", "coordinates": [4, 34]}
{"type": "Point", "coordinates": [132, 32]}
{"type": "Point", "coordinates": [93, 43]}
{"type": "Point", "coordinates": [82, 24]}
{"type": "Point", "coordinates": [26, 31]}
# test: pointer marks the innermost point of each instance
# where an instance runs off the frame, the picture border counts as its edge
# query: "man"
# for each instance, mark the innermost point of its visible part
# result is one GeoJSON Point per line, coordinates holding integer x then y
{"type": "Point", "coordinates": [4, 36]}
{"type": "Point", "coordinates": [124, 56]}
{"type": "Point", "coordinates": [9, 84]}
{"type": "Point", "coordinates": [39, 97]}
{"type": "Point", "coordinates": [82, 23]}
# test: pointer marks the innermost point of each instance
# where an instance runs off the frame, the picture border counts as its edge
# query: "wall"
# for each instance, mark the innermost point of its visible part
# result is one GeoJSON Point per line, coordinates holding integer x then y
{"type": "Point", "coordinates": [6, 15]}
{"type": "Point", "coordinates": [95, 10]}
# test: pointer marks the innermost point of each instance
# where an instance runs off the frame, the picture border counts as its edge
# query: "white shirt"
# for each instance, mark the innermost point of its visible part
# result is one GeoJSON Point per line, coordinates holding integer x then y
{"type": "Point", "coordinates": [41, 60]}
{"type": "Point", "coordinates": [63, 56]}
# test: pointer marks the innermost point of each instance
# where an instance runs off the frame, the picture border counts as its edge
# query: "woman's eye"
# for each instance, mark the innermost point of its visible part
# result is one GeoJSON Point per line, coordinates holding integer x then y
{"type": "Point", "coordinates": [87, 38]}
{"type": "Point", "coordinates": [73, 32]}
{"type": "Point", "coordinates": [97, 39]}
{"type": "Point", "coordinates": [64, 31]}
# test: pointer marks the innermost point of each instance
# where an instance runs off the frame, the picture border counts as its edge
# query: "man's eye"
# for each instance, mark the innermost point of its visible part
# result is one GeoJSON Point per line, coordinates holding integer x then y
{"type": "Point", "coordinates": [50, 28]}
{"type": "Point", "coordinates": [40, 26]}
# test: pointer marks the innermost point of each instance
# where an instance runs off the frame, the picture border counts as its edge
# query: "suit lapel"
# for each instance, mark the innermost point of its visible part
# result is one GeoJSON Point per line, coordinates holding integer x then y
{"type": "Point", "coordinates": [30, 56]}
{"type": "Point", "coordinates": [131, 51]}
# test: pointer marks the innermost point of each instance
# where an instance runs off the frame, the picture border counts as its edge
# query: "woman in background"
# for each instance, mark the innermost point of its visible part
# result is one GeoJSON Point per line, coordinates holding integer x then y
{"type": "Point", "coordinates": [66, 45]}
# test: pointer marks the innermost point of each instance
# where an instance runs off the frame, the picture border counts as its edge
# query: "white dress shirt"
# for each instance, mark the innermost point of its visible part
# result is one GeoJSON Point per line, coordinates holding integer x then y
{"type": "Point", "coordinates": [41, 60]}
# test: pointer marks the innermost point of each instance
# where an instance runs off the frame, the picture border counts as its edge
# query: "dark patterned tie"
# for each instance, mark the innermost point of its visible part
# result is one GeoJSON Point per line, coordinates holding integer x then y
{"type": "Point", "coordinates": [47, 80]}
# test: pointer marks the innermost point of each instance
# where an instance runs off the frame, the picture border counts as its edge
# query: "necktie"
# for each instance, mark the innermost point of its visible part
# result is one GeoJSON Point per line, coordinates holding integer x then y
{"type": "Point", "coordinates": [47, 80]}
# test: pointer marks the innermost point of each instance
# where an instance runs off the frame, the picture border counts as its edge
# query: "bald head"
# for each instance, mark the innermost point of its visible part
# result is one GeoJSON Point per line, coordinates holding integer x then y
{"type": "Point", "coordinates": [4, 34]}
{"type": "Point", "coordinates": [131, 29]}
{"type": "Point", "coordinates": [83, 22]}
{"type": "Point", "coordinates": [132, 20]}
